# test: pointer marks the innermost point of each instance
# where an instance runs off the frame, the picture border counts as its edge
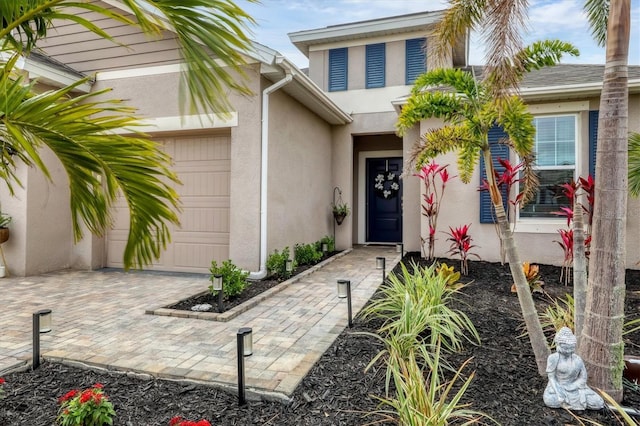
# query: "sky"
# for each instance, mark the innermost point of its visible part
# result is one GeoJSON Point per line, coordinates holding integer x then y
{"type": "Point", "coordinates": [548, 19]}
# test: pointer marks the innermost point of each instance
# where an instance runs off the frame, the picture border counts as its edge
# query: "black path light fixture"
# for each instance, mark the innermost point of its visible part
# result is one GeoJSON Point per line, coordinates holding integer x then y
{"type": "Point", "coordinates": [245, 348]}
{"type": "Point", "coordinates": [344, 290]}
{"type": "Point", "coordinates": [380, 264]}
{"type": "Point", "coordinates": [41, 325]}
{"type": "Point", "coordinates": [218, 286]}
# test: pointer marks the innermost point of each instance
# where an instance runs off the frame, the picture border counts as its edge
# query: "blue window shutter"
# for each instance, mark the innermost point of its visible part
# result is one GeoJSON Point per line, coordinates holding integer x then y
{"type": "Point", "coordinates": [498, 150]}
{"type": "Point", "coordinates": [375, 69]}
{"type": "Point", "coordinates": [416, 60]}
{"type": "Point", "coordinates": [338, 69]}
{"type": "Point", "coordinates": [593, 141]}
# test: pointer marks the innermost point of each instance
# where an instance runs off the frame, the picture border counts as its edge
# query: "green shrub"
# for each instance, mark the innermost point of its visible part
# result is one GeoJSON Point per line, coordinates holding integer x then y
{"type": "Point", "coordinates": [307, 254]}
{"type": "Point", "coordinates": [331, 244]}
{"type": "Point", "coordinates": [234, 280]}
{"type": "Point", "coordinates": [277, 263]}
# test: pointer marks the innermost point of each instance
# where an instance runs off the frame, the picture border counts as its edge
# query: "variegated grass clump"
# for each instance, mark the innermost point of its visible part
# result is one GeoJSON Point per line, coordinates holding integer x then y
{"type": "Point", "coordinates": [418, 326]}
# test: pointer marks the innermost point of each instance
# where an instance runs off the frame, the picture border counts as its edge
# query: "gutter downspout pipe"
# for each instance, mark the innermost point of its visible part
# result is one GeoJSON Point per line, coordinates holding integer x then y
{"type": "Point", "coordinates": [264, 166]}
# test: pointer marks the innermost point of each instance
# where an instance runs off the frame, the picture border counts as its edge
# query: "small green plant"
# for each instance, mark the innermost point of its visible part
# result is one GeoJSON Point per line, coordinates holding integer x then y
{"type": "Point", "coordinates": [532, 274]}
{"type": "Point", "coordinates": [5, 220]}
{"type": "Point", "coordinates": [234, 280]}
{"type": "Point", "coordinates": [329, 241]}
{"type": "Point", "coordinates": [91, 407]}
{"type": "Point", "coordinates": [341, 209]}
{"type": "Point", "coordinates": [307, 254]}
{"type": "Point", "coordinates": [277, 263]}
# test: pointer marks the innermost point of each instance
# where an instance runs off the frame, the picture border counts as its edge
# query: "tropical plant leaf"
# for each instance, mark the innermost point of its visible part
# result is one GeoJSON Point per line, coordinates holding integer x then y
{"type": "Point", "coordinates": [634, 164]}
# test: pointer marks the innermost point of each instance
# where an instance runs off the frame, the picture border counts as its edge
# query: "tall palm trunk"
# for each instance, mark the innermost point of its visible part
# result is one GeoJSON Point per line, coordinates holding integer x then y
{"type": "Point", "coordinates": [529, 313]}
{"type": "Point", "coordinates": [579, 267]}
{"type": "Point", "coordinates": [601, 344]}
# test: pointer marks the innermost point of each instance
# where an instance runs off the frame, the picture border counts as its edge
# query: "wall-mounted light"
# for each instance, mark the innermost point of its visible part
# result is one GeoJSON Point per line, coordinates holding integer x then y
{"type": "Point", "coordinates": [244, 339]}
{"type": "Point", "coordinates": [41, 324]}
{"type": "Point", "coordinates": [218, 286]}
{"type": "Point", "coordinates": [380, 264]}
{"type": "Point", "coordinates": [344, 290]}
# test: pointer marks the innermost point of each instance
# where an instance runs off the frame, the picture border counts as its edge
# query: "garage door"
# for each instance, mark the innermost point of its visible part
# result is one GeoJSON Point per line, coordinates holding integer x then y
{"type": "Point", "coordinates": [202, 164]}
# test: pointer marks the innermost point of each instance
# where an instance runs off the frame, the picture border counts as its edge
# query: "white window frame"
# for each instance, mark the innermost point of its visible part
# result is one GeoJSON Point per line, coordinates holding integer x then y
{"type": "Point", "coordinates": [550, 225]}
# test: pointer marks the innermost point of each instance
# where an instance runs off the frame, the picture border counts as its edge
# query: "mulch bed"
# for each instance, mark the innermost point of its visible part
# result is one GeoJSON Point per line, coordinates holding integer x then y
{"type": "Point", "coordinates": [336, 391]}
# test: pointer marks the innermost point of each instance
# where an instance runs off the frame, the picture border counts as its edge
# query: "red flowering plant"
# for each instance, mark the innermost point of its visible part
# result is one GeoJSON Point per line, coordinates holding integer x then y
{"type": "Point", "coordinates": [461, 246]}
{"type": "Point", "coordinates": [179, 421]}
{"type": "Point", "coordinates": [435, 178]}
{"type": "Point", "coordinates": [2, 381]}
{"type": "Point", "coordinates": [570, 190]}
{"type": "Point", "coordinates": [91, 407]}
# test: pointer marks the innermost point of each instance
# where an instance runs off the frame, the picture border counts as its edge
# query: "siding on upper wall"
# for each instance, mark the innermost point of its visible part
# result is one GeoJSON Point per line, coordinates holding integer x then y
{"type": "Point", "coordinates": [86, 52]}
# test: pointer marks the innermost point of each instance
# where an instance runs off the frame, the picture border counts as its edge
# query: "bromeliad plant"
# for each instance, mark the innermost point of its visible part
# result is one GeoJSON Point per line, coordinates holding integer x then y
{"type": "Point", "coordinates": [461, 246]}
{"type": "Point", "coordinates": [91, 407]}
{"type": "Point", "coordinates": [434, 178]}
{"type": "Point", "coordinates": [532, 274]}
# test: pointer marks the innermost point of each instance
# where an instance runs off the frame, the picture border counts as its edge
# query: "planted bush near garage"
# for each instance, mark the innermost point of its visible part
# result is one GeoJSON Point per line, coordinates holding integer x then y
{"type": "Point", "coordinates": [307, 254]}
{"type": "Point", "coordinates": [234, 280]}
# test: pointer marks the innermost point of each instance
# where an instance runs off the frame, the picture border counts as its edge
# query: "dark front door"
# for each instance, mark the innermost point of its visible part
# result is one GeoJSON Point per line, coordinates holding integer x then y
{"type": "Point", "coordinates": [384, 200]}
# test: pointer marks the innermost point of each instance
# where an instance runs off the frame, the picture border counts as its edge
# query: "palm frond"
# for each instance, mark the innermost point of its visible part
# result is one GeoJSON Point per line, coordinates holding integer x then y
{"type": "Point", "coordinates": [81, 133]}
{"type": "Point", "coordinates": [598, 14]}
{"type": "Point", "coordinates": [439, 141]}
{"type": "Point", "coordinates": [517, 122]}
{"type": "Point", "coordinates": [468, 156]}
{"type": "Point", "coordinates": [634, 164]}
{"type": "Point", "coordinates": [426, 105]}
{"type": "Point", "coordinates": [504, 21]}
{"type": "Point", "coordinates": [460, 18]}
{"type": "Point", "coordinates": [446, 79]}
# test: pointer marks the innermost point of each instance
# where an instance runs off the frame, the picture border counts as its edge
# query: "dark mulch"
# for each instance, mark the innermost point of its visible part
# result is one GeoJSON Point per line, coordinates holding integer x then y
{"type": "Point", "coordinates": [336, 391]}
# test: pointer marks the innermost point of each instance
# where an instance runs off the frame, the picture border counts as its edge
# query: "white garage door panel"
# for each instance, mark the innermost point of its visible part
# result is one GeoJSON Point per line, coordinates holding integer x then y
{"type": "Point", "coordinates": [202, 164]}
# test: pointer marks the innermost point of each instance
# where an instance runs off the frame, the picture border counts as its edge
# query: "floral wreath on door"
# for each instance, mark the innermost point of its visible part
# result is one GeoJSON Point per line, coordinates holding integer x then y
{"type": "Point", "coordinates": [387, 185]}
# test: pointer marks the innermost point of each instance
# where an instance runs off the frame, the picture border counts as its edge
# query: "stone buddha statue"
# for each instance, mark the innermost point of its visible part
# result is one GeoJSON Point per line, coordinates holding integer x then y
{"type": "Point", "coordinates": [567, 387]}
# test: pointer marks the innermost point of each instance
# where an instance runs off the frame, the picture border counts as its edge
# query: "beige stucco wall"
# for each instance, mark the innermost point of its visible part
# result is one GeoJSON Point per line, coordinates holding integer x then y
{"type": "Point", "coordinates": [300, 179]}
{"type": "Point", "coordinates": [41, 237]}
{"type": "Point", "coordinates": [460, 206]}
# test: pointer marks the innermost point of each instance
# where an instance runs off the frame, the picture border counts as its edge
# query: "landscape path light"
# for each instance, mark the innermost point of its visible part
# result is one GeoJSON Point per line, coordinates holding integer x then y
{"type": "Point", "coordinates": [325, 249]}
{"type": "Point", "coordinates": [217, 286]}
{"type": "Point", "coordinates": [244, 339]}
{"type": "Point", "coordinates": [380, 264]}
{"type": "Point", "coordinates": [344, 290]}
{"type": "Point", "coordinates": [400, 249]}
{"type": "Point", "coordinates": [288, 266]}
{"type": "Point", "coordinates": [41, 325]}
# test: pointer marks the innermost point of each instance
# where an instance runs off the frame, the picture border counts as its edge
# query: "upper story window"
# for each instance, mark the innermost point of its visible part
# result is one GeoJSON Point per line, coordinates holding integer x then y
{"type": "Point", "coordinates": [375, 65]}
{"type": "Point", "coordinates": [416, 59]}
{"type": "Point", "coordinates": [555, 148]}
{"type": "Point", "coordinates": [338, 65]}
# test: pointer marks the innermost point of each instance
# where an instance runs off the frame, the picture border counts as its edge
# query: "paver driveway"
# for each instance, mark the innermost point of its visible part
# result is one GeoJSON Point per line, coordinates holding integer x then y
{"type": "Point", "coordinates": [99, 319]}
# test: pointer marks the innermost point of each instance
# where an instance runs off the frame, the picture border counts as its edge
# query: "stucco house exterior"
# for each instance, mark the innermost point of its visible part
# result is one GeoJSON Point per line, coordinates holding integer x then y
{"type": "Point", "coordinates": [264, 176]}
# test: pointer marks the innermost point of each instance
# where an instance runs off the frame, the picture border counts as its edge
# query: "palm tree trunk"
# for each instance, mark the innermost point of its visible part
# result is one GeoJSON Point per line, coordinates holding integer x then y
{"type": "Point", "coordinates": [529, 313]}
{"type": "Point", "coordinates": [601, 345]}
{"type": "Point", "coordinates": [579, 267]}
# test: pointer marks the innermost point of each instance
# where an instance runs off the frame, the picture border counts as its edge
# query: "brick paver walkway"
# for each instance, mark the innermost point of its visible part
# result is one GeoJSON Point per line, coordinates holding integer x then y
{"type": "Point", "coordinates": [99, 319]}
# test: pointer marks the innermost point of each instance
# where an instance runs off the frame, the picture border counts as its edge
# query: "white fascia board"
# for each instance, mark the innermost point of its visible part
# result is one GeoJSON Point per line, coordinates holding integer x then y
{"type": "Point", "coordinates": [183, 123]}
{"type": "Point", "coordinates": [358, 28]}
{"type": "Point", "coordinates": [48, 74]}
{"type": "Point", "coordinates": [570, 89]}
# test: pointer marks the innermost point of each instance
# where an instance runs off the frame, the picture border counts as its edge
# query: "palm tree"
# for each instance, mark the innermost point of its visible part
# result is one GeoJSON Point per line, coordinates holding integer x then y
{"type": "Point", "coordinates": [601, 345]}
{"type": "Point", "coordinates": [80, 130]}
{"type": "Point", "coordinates": [469, 110]}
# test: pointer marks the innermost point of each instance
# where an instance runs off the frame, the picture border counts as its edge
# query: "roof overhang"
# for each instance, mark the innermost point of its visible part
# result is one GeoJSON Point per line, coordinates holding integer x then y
{"type": "Point", "coordinates": [275, 67]}
{"type": "Point", "coordinates": [358, 30]}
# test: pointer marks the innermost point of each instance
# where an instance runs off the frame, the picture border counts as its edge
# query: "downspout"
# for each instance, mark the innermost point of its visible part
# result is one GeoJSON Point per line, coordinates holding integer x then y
{"type": "Point", "coordinates": [264, 167]}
